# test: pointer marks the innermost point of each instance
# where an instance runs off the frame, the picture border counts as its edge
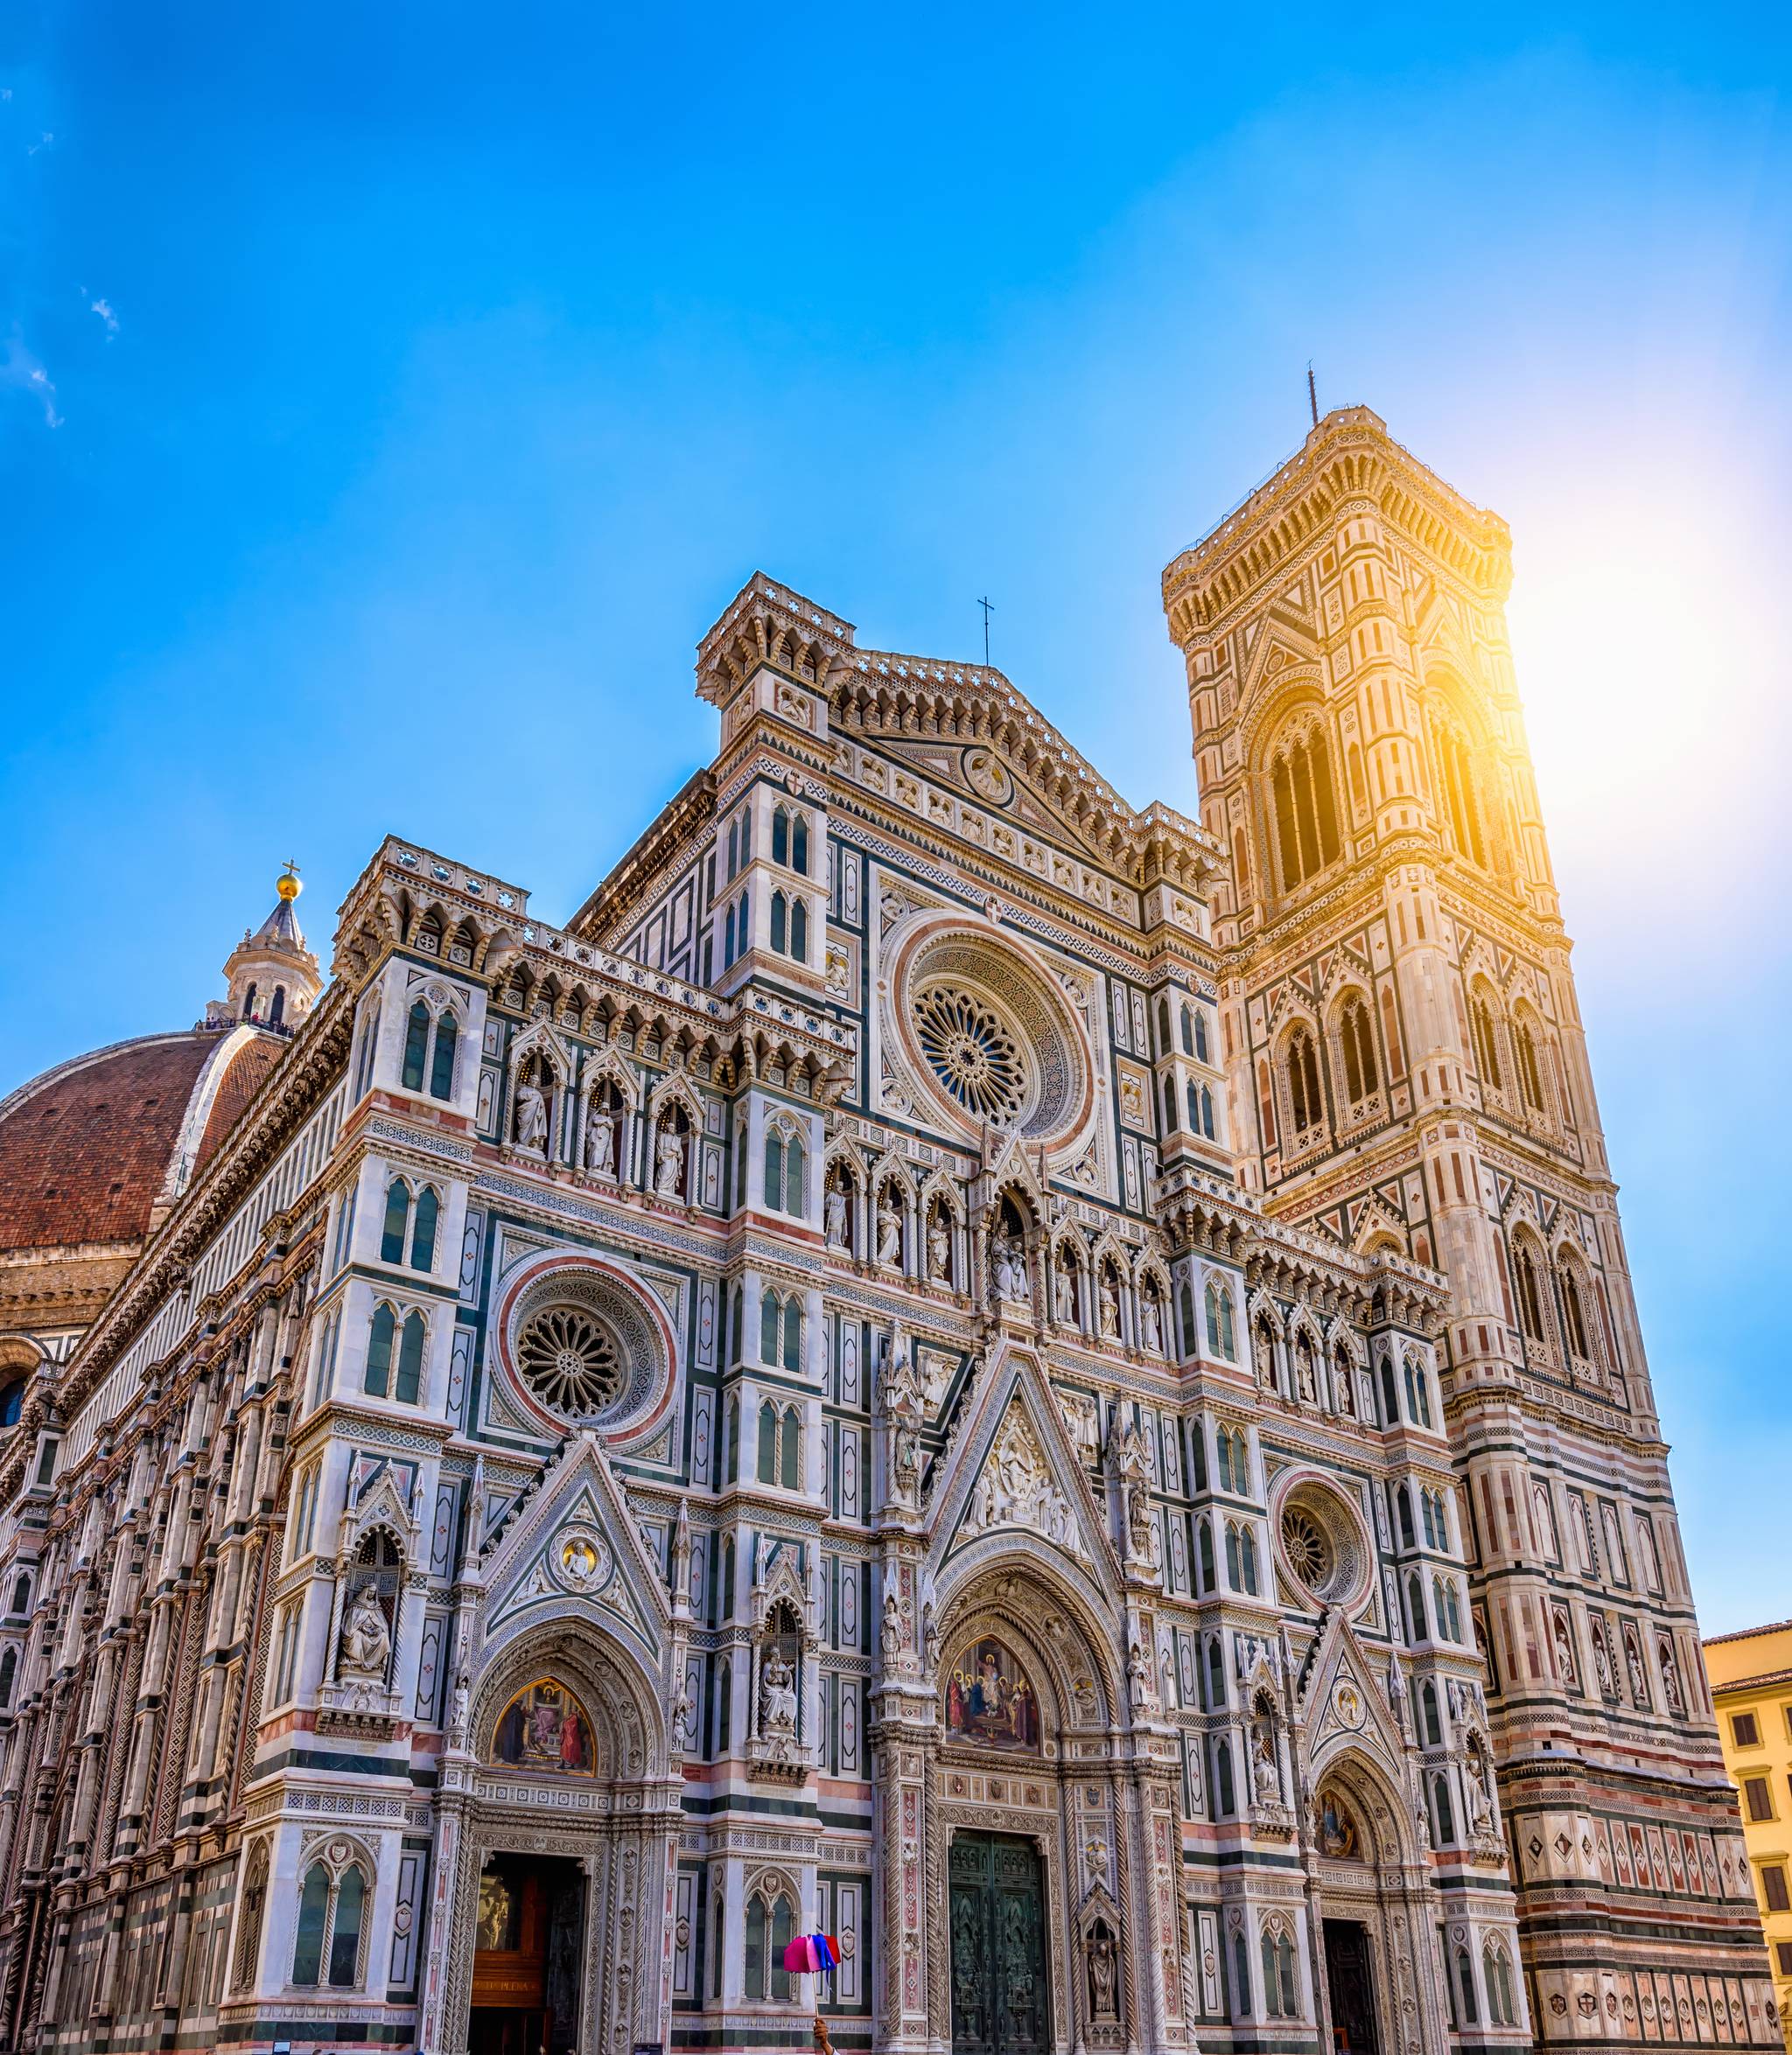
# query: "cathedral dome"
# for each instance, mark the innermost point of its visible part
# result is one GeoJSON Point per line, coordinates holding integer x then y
{"type": "Point", "coordinates": [93, 1151]}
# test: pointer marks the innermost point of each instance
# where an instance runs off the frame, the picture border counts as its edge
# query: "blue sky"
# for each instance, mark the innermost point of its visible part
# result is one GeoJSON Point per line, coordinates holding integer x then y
{"type": "Point", "coordinates": [390, 397]}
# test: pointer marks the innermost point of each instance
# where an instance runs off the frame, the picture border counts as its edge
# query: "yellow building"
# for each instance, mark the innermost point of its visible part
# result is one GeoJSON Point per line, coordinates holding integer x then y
{"type": "Point", "coordinates": [1751, 1679]}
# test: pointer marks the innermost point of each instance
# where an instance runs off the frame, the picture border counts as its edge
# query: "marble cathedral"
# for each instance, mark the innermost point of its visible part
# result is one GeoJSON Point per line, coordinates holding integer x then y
{"type": "Point", "coordinates": [1046, 1389]}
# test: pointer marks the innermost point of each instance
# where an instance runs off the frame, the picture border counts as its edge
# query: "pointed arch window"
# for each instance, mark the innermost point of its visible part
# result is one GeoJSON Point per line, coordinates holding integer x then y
{"type": "Point", "coordinates": [1306, 810]}
{"type": "Point", "coordinates": [1496, 1966]}
{"type": "Point", "coordinates": [1418, 1397]}
{"type": "Point", "coordinates": [442, 1057]}
{"type": "Point", "coordinates": [1185, 1316]}
{"type": "Point", "coordinates": [380, 1338]}
{"type": "Point", "coordinates": [1188, 1028]}
{"type": "Point", "coordinates": [1306, 1107]}
{"type": "Point", "coordinates": [397, 1218]}
{"type": "Point", "coordinates": [1202, 1042]}
{"type": "Point", "coordinates": [249, 1003]}
{"type": "Point", "coordinates": [1524, 1281]}
{"type": "Point", "coordinates": [1531, 1081]}
{"type": "Point", "coordinates": [417, 1044]}
{"type": "Point", "coordinates": [781, 921]}
{"type": "Point", "coordinates": [798, 930]}
{"type": "Point", "coordinates": [332, 1915]}
{"type": "Point", "coordinates": [1486, 1040]}
{"type": "Point", "coordinates": [1465, 1972]}
{"type": "Point", "coordinates": [1429, 1725]}
{"type": "Point", "coordinates": [1463, 801]}
{"type": "Point", "coordinates": [725, 1695]}
{"type": "Point", "coordinates": [1574, 1315]}
{"type": "Point", "coordinates": [9, 1670]}
{"type": "Point", "coordinates": [1281, 1991]}
{"type": "Point", "coordinates": [1356, 1033]}
{"type": "Point", "coordinates": [423, 1233]}
{"type": "Point", "coordinates": [1222, 1338]}
{"type": "Point", "coordinates": [768, 1442]}
{"type": "Point", "coordinates": [1163, 1027]}
{"type": "Point", "coordinates": [248, 1925]}
{"type": "Point", "coordinates": [408, 1384]}
{"type": "Point", "coordinates": [276, 1012]}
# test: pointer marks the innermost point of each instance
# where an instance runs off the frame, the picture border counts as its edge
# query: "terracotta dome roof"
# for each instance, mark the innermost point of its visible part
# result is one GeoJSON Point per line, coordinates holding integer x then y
{"type": "Point", "coordinates": [87, 1149]}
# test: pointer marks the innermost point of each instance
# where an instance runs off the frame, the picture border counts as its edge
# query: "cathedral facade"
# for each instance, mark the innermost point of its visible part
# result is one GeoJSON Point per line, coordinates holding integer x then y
{"type": "Point", "coordinates": [1046, 1390]}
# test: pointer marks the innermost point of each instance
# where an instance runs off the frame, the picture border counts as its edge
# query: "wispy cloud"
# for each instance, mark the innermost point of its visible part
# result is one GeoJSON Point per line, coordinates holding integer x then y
{"type": "Point", "coordinates": [102, 308]}
{"type": "Point", "coordinates": [21, 372]}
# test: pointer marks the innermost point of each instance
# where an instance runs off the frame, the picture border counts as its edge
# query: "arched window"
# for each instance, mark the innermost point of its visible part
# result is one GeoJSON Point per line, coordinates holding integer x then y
{"type": "Point", "coordinates": [397, 1218]}
{"type": "Point", "coordinates": [771, 1923]}
{"type": "Point", "coordinates": [380, 1337]}
{"type": "Point", "coordinates": [1228, 1798]}
{"type": "Point", "coordinates": [731, 1452]}
{"type": "Point", "coordinates": [1465, 1982]}
{"type": "Point", "coordinates": [1429, 1723]}
{"type": "Point", "coordinates": [1486, 1041]}
{"type": "Point", "coordinates": [725, 1692]}
{"type": "Point", "coordinates": [790, 1451]}
{"type": "Point", "coordinates": [1204, 1537]}
{"type": "Point", "coordinates": [1459, 791]}
{"type": "Point", "coordinates": [1164, 1027]}
{"type": "Point", "coordinates": [780, 835]}
{"type": "Point", "coordinates": [1306, 809]}
{"type": "Point", "coordinates": [1241, 1959]}
{"type": "Point", "coordinates": [442, 1057]}
{"type": "Point", "coordinates": [423, 1233]}
{"type": "Point", "coordinates": [1531, 1081]}
{"type": "Point", "coordinates": [1442, 1817]}
{"type": "Point", "coordinates": [728, 933]}
{"type": "Point", "coordinates": [12, 1402]}
{"type": "Point", "coordinates": [1417, 1622]}
{"type": "Point", "coordinates": [410, 1362]}
{"type": "Point", "coordinates": [780, 920]}
{"type": "Point", "coordinates": [276, 1012]}
{"type": "Point", "coordinates": [1281, 1991]}
{"type": "Point", "coordinates": [332, 1906]}
{"type": "Point", "coordinates": [1216, 1675]}
{"type": "Point", "coordinates": [798, 930]}
{"type": "Point", "coordinates": [793, 1335]}
{"type": "Point", "coordinates": [1235, 1574]}
{"type": "Point", "coordinates": [1169, 1105]}
{"type": "Point", "coordinates": [799, 844]}
{"type": "Point", "coordinates": [1403, 1507]}
{"type": "Point", "coordinates": [248, 1924]}
{"type": "Point", "coordinates": [1304, 1106]}
{"type": "Point", "coordinates": [768, 1442]}
{"type": "Point", "coordinates": [1203, 1046]}
{"type": "Point", "coordinates": [1496, 1966]}
{"type": "Point", "coordinates": [417, 1044]}
{"type": "Point", "coordinates": [725, 1580]}
{"type": "Point", "coordinates": [1574, 1314]}
{"type": "Point", "coordinates": [1246, 1555]}
{"type": "Point", "coordinates": [1206, 1113]}
{"type": "Point", "coordinates": [9, 1670]}
{"type": "Point", "coordinates": [1524, 1280]}
{"type": "Point", "coordinates": [1222, 1340]}
{"type": "Point", "coordinates": [1418, 1398]}
{"type": "Point", "coordinates": [1356, 1033]}
{"type": "Point", "coordinates": [786, 1166]}
{"type": "Point", "coordinates": [1187, 1031]}
{"type": "Point", "coordinates": [733, 848]}
{"type": "Point", "coordinates": [249, 1003]}
{"type": "Point", "coordinates": [1184, 1315]}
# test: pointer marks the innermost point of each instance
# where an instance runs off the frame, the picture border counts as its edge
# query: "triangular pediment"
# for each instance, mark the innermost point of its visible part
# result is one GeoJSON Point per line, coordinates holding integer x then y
{"type": "Point", "coordinates": [573, 1549]}
{"type": "Point", "coordinates": [1005, 794]}
{"type": "Point", "coordinates": [1013, 1472]}
{"type": "Point", "coordinates": [1345, 1700]}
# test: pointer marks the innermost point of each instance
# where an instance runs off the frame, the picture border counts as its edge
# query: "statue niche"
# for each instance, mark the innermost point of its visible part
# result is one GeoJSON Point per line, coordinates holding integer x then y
{"type": "Point", "coordinates": [778, 1747]}
{"type": "Point", "coordinates": [357, 1696]}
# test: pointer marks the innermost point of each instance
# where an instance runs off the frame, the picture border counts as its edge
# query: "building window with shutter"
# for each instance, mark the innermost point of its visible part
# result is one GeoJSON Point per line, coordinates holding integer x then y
{"type": "Point", "coordinates": [1743, 1726]}
{"type": "Point", "coordinates": [1760, 1803]}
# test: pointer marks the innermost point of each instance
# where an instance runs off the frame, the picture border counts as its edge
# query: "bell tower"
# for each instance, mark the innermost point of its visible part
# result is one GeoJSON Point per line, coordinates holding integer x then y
{"type": "Point", "coordinates": [1408, 1073]}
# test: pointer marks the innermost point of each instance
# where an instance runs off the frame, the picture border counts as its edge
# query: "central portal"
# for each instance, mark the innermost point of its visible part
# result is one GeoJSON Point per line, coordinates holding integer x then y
{"type": "Point", "coordinates": [1350, 1987]}
{"type": "Point", "coordinates": [526, 1957]}
{"type": "Point", "coordinates": [999, 1961]}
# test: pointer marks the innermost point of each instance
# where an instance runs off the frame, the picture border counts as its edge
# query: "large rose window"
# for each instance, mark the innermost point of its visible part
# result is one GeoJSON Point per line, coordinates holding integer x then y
{"type": "Point", "coordinates": [1322, 1543]}
{"type": "Point", "coordinates": [569, 1360]}
{"type": "Point", "coordinates": [579, 1342]}
{"type": "Point", "coordinates": [973, 1052]}
{"type": "Point", "coordinates": [987, 1032]}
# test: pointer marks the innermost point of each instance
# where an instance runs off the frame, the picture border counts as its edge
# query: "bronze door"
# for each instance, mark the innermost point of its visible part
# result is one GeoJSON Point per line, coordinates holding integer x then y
{"type": "Point", "coordinates": [1351, 1989]}
{"type": "Point", "coordinates": [998, 1956]}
